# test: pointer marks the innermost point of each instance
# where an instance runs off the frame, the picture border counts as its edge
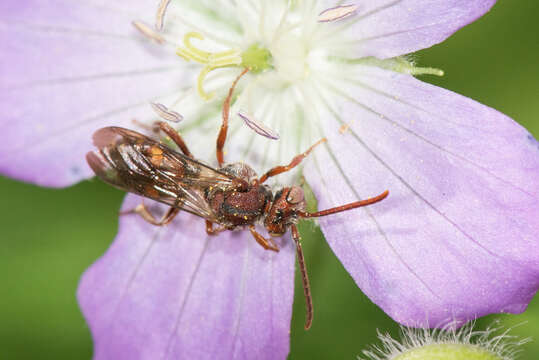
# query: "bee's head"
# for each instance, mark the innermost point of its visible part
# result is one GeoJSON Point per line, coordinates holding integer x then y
{"type": "Point", "coordinates": [283, 212]}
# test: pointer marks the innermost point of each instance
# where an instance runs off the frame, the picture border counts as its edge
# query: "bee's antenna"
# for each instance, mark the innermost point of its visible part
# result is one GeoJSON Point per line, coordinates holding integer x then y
{"type": "Point", "coordinates": [304, 279]}
{"type": "Point", "coordinates": [342, 208]}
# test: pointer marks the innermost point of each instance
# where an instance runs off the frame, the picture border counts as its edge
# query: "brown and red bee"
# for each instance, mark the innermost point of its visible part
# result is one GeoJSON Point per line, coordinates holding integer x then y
{"type": "Point", "coordinates": [231, 197]}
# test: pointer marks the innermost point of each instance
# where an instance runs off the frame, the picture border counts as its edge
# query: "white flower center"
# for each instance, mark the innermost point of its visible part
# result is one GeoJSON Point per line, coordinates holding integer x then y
{"type": "Point", "coordinates": [298, 72]}
{"type": "Point", "coordinates": [290, 54]}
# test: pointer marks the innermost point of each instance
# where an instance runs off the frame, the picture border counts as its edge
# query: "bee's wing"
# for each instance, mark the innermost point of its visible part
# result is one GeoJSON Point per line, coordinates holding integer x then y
{"type": "Point", "coordinates": [135, 163]}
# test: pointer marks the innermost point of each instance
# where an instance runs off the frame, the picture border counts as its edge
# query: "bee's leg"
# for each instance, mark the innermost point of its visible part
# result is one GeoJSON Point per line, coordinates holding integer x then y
{"type": "Point", "coordinates": [175, 136]}
{"type": "Point", "coordinates": [147, 215]}
{"type": "Point", "coordinates": [211, 231]}
{"type": "Point", "coordinates": [295, 162]}
{"type": "Point", "coordinates": [221, 138]}
{"type": "Point", "coordinates": [267, 244]}
{"type": "Point", "coordinates": [304, 278]}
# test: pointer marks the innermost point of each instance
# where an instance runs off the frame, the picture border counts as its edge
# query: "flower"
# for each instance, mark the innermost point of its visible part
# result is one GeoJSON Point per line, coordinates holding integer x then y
{"type": "Point", "coordinates": [462, 176]}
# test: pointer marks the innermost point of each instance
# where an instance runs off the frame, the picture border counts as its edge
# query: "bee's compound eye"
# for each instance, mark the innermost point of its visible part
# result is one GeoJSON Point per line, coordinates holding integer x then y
{"type": "Point", "coordinates": [295, 195]}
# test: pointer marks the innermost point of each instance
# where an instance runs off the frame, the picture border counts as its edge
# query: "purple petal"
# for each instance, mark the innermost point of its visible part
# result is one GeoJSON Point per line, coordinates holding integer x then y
{"type": "Point", "coordinates": [67, 69]}
{"type": "Point", "coordinates": [457, 237]}
{"type": "Point", "coordinates": [172, 292]}
{"type": "Point", "coordinates": [391, 28]}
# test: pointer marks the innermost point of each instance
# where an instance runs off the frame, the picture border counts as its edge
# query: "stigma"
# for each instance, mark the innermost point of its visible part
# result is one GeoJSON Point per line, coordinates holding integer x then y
{"type": "Point", "coordinates": [210, 60]}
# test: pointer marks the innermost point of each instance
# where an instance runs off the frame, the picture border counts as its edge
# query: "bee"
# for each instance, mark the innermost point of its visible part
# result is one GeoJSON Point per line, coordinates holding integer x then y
{"type": "Point", "coordinates": [229, 197]}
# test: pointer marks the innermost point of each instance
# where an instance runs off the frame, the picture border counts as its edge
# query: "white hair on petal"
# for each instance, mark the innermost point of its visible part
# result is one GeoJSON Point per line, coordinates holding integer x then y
{"type": "Point", "coordinates": [500, 343]}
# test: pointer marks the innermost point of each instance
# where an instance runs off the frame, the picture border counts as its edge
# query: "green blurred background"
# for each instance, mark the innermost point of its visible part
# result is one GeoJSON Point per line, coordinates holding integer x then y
{"type": "Point", "coordinates": [51, 236]}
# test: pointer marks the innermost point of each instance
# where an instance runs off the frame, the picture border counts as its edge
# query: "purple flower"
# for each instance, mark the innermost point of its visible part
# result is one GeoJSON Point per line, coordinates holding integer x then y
{"type": "Point", "coordinates": [456, 239]}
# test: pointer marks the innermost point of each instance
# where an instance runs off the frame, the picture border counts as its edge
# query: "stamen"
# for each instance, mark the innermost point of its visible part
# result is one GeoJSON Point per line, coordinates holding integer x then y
{"type": "Point", "coordinates": [165, 113]}
{"type": "Point", "coordinates": [337, 13]}
{"type": "Point", "coordinates": [426, 71]}
{"type": "Point", "coordinates": [148, 32]}
{"type": "Point", "coordinates": [258, 127]}
{"type": "Point", "coordinates": [160, 17]}
{"type": "Point", "coordinates": [212, 61]}
{"type": "Point", "coordinates": [397, 64]}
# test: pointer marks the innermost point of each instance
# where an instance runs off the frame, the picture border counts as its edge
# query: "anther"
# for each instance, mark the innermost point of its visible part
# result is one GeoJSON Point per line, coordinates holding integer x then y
{"type": "Point", "coordinates": [165, 113]}
{"type": "Point", "coordinates": [148, 32]}
{"type": "Point", "coordinates": [160, 16]}
{"type": "Point", "coordinates": [258, 127]}
{"type": "Point", "coordinates": [337, 13]}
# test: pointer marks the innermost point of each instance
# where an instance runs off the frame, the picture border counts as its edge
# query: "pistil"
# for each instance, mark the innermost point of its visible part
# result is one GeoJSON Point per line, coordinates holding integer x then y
{"type": "Point", "coordinates": [256, 58]}
{"type": "Point", "coordinates": [212, 61]}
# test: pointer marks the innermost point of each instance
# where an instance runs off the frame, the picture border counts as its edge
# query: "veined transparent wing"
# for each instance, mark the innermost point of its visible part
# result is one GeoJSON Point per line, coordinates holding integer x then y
{"type": "Point", "coordinates": [136, 163]}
